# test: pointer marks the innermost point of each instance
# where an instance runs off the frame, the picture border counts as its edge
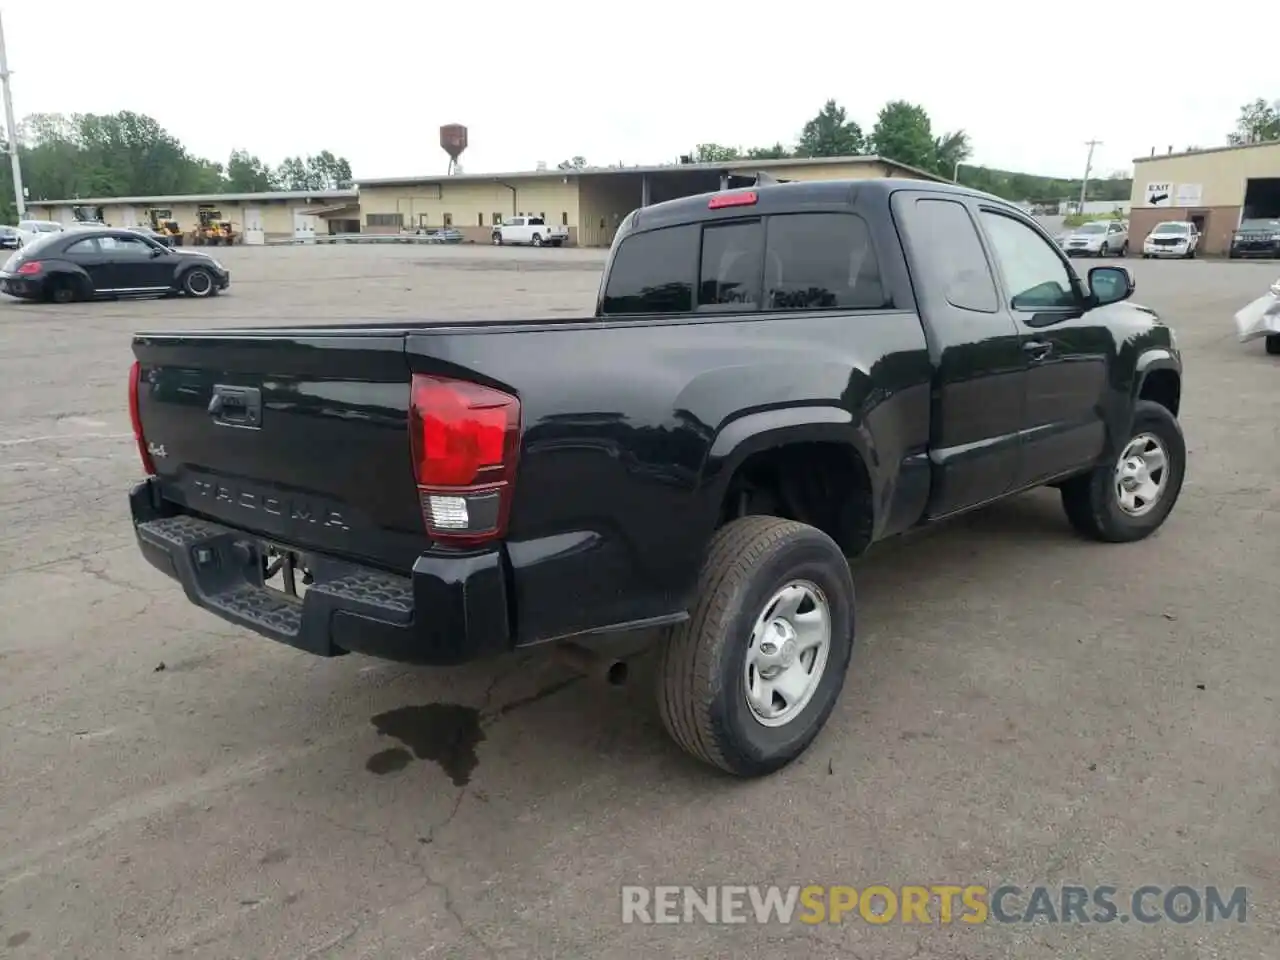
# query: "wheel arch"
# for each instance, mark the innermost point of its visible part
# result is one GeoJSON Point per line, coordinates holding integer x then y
{"type": "Point", "coordinates": [1159, 379]}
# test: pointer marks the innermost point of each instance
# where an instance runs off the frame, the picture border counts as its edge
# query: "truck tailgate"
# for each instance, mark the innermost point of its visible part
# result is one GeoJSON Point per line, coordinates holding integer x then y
{"type": "Point", "coordinates": [300, 438]}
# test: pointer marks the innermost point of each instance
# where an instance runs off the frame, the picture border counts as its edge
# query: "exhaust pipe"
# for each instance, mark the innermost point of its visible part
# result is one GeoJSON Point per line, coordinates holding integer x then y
{"type": "Point", "coordinates": [591, 664]}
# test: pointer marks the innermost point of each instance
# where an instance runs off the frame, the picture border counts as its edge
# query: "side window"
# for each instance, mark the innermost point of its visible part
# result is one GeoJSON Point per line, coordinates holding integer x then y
{"type": "Point", "coordinates": [729, 272]}
{"type": "Point", "coordinates": [652, 272]}
{"type": "Point", "coordinates": [83, 247]}
{"type": "Point", "coordinates": [1034, 275]}
{"type": "Point", "coordinates": [821, 261]}
{"type": "Point", "coordinates": [125, 246]}
{"type": "Point", "coordinates": [951, 254]}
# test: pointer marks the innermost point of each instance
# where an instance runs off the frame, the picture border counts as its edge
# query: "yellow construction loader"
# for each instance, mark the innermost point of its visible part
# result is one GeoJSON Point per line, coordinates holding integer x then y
{"type": "Point", "coordinates": [211, 230]}
{"type": "Point", "coordinates": [163, 223]}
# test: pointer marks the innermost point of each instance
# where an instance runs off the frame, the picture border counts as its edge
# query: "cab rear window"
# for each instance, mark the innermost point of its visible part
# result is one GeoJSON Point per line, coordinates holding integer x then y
{"type": "Point", "coordinates": [785, 262]}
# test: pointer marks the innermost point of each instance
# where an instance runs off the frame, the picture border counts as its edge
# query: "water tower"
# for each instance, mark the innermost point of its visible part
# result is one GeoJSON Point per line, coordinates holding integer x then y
{"type": "Point", "coordinates": [453, 140]}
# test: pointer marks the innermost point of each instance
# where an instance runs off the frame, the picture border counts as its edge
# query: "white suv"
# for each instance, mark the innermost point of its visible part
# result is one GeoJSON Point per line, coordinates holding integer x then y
{"type": "Point", "coordinates": [1098, 238]}
{"type": "Point", "coordinates": [28, 230]}
{"type": "Point", "coordinates": [1173, 238]}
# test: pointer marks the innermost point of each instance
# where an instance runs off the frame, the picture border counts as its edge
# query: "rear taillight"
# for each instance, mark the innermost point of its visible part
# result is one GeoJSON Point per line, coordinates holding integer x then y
{"type": "Point", "coordinates": [30, 268]}
{"type": "Point", "coordinates": [465, 440]}
{"type": "Point", "coordinates": [135, 415]}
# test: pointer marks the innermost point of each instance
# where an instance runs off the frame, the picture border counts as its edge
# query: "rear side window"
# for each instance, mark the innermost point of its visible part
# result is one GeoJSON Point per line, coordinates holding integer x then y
{"type": "Point", "coordinates": [653, 272]}
{"type": "Point", "coordinates": [951, 254]}
{"type": "Point", "coordinates": [821, 261]}
{"type": "Point", "coordinates": [729, 273]}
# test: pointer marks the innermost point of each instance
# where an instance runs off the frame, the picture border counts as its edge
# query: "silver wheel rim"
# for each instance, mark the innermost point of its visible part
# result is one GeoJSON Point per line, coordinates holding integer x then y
{"type": "Point", "coordinates": [788, 652]}
{"type": "Point", "coordinates": [199, 282]}
{"type": "Point", "coordinates": [1142, 474]}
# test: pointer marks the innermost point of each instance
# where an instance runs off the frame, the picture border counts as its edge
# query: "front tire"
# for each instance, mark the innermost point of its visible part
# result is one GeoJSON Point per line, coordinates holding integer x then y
{"type": "Point", "coordinates": [1273, 344]}
{"type": "Point", "coordinates": [537, 240]}
{"type": "Point", "coordinates": [748, 681]}
{"type": "Point", "coordinates": [1130, 499]}
{"type": "Point", "coordinates": [198, 282]}
{"type": "Point", "coordinates": [497, 239]}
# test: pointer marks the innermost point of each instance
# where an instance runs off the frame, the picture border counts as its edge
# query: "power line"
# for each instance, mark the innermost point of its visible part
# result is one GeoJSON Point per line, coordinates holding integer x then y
{"type": "Point", "coordinates": [1088, 168]}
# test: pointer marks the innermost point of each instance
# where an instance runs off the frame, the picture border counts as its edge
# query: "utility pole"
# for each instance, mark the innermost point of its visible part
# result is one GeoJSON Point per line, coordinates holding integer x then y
{"type": "Point", "coordinates": [1088, 167]}
{"type": "Point", "coordinates": [11, 130]}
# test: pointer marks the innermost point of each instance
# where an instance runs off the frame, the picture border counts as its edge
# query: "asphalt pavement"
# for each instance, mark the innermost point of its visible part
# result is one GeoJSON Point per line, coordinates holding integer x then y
{"type": "Point", "coordinates": [1023, 707]}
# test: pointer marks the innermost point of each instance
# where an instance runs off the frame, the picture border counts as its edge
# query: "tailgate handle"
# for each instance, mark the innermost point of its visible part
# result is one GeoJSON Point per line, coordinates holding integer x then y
{"type": "Point", "coordinates": [236, 406]}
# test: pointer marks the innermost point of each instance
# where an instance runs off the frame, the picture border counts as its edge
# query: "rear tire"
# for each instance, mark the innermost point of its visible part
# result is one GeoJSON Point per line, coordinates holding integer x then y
{"type": "Point", "coordinates": [1130, 498]}
{"type": "Point", "coordinates": [747, 692]}
{"type": "Point", "coordinates": [1273, 344]}
{"type": "Point", "coordinates": [63, 290]}
{"type": "Point", "coordinates": [198, 282]}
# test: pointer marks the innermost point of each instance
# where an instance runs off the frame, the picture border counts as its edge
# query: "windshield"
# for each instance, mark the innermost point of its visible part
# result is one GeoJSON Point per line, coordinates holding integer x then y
{"type": "Point", "coordinates": [1092, 228]}
{"type": "Point", "coordinates": [1263, 225]}
{"type": "Point", "coordinates": [1165, 229]}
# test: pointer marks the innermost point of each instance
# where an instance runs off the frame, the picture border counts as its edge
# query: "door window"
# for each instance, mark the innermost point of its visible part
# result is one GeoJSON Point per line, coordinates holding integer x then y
{"type": "Point", "coordinates": [950, 254]}
{"type": "Point", "coordinates": [1035, 276]}
{"type": "Point", "coordinates": [131, 247]}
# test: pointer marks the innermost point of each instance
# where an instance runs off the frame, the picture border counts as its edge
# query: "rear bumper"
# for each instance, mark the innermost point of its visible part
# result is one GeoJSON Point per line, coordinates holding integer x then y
{"type": "Point", "coordinates": [453, 607]}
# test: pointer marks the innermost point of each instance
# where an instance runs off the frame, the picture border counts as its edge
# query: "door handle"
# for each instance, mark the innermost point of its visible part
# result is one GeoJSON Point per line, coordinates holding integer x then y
{"type": "Point", "coordinates": [1037, 350]}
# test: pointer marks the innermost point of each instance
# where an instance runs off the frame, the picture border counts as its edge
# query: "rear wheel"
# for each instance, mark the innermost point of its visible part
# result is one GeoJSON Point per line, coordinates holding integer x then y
{"type": "Point", "coordinates": [1273, 344]}
{"type": "Point", "coordinates": [198, 282]}
{"type": "Point", "coordinates": [1130, 498]}
{"type": "Point", "coordinates": [63, 289]}
{"type": "Point", "coordinates": [1124, 249]}
{"type": "Point", "coordinates": [750, 679]}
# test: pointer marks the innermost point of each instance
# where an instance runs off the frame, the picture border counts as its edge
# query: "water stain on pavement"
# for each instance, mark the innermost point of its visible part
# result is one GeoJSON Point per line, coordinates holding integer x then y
{"type": "Point", "coordinates": [445, 733]}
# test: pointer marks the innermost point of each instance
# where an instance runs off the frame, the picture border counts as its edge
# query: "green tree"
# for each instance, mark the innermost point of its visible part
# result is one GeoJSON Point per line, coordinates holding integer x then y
{"type": "Point", "coordinates": [573, 163]}
{"type": "Point", "coordinates": [776, 152]}
{"type": "Point", "coordinates": [903, 133]}
{"type": "Point", "coordinates": [950, 150]}
{"type": "Point", "coordinates": [1259, 121]}
{"type": "Point", "coordinates": [715, 153]}
{"type": "Point", "coordinates": [292, 174]}
{"type": "Point", "coordinates": [830, 134]}
{"type": "Point", "coordinates": [329, 172]}
{"type": "Point", "coordinates": [247, 174]}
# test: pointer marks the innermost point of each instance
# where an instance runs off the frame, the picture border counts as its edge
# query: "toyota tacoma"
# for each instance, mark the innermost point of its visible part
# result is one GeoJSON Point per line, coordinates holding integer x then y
{"type": "Point", "coordinates": [773, 380]}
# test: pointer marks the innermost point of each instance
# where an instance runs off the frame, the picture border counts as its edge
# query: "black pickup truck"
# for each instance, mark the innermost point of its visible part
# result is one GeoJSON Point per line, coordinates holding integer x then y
{"type": "Point", "coordinates": [774, 379]}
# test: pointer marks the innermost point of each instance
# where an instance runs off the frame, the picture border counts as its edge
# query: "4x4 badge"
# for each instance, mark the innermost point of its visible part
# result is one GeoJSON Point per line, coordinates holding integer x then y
{"type": "Point", "coordinates": [157, 450]}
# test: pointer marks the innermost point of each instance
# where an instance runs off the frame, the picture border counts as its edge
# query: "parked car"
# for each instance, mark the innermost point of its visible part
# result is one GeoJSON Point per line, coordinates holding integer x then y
{"type": "Point", "coordinates": [1173, 238]}
{"type": "Point", "coordinates": [1256, 237]}
{"type": "Point", "coordinates": [89, 263]}
{"type": "Point", "coordinates": [1098, 238]}
{"type": "Point", "coordinates": [29, 230]}
{"type": "Point", "coordinates": [773, 379]}
{"type": "Point", "coordinates": [10, 238]}
{"type": "Point", "coordinates": [444, 235]}
{"type": "Point", "coordinates": [534, 231]}
{"type": "Point", "coordinates": [1260, 319]}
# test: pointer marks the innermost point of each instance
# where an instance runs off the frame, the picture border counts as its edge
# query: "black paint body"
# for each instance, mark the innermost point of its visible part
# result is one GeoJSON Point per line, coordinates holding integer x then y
{"type": "Point", "coordinates": [633, 428]}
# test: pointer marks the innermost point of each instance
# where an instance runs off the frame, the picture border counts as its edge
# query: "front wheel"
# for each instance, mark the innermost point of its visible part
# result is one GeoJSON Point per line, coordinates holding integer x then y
{"type": "Point", "coordinates": [1130, 498]}
{"type": "Point", "coordinates": [1124, 249]}
{"type": "Point", "coordinates": [748, 681]}
{"type": "Point", "coordinates": [496, 238]}
{"type": "Point", "coordinates": [537, 240]}
{"type": "Point", "coordinates": [198, 282]}
{"type": "Point", "coordinates": [1273, 344]}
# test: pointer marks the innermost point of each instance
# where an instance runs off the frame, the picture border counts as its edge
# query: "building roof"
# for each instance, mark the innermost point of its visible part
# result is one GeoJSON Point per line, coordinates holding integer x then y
{"type": "Point", "coordinates": [1229, 148]}
{"type": "Point", "coordinates": [732, 166]}
{"type": "Point", "coordinates": [205, 198]}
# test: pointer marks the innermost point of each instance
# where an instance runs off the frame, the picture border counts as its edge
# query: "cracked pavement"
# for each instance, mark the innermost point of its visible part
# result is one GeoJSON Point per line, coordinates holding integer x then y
{"type": "Point", "coordinates": [1022, 706]}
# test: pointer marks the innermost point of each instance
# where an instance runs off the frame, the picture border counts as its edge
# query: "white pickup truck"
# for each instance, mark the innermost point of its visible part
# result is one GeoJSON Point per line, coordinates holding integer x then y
{"type": "Point", "coordinates": [530, 230]}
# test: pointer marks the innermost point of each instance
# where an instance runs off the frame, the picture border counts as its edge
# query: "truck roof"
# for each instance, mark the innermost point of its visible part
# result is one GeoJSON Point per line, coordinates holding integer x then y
{"type": "Point", "coordinates": [785, 198]}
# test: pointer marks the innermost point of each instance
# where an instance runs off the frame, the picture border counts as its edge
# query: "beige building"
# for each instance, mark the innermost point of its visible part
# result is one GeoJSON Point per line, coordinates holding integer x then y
{"type": "Point", "coordinates": [276, 215]}
{"type": "Point", "coordinates": [1214, 188]}
{"type": "Point", "coordinates": [590, 202]}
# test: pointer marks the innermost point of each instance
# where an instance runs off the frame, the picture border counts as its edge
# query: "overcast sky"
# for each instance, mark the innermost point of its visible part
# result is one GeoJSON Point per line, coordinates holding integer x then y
{"type": "Point", "coordinates": [637, 83]}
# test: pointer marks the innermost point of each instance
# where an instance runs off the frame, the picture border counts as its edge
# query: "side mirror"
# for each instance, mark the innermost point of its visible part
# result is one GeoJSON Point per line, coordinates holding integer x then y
{"type": "Point", "coordinates": [157, 252]}
{"type": "Point", "coordinates": [1110, 285]}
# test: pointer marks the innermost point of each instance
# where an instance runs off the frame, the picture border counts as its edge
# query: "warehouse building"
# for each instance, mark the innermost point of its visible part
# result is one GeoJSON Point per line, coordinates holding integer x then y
{"type": "Point", "coordinates": [255, 217]}
{"type": "Point", "coordinates": [1214, 188]}
{"type": "Point", "coordinates": [590, 202]}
